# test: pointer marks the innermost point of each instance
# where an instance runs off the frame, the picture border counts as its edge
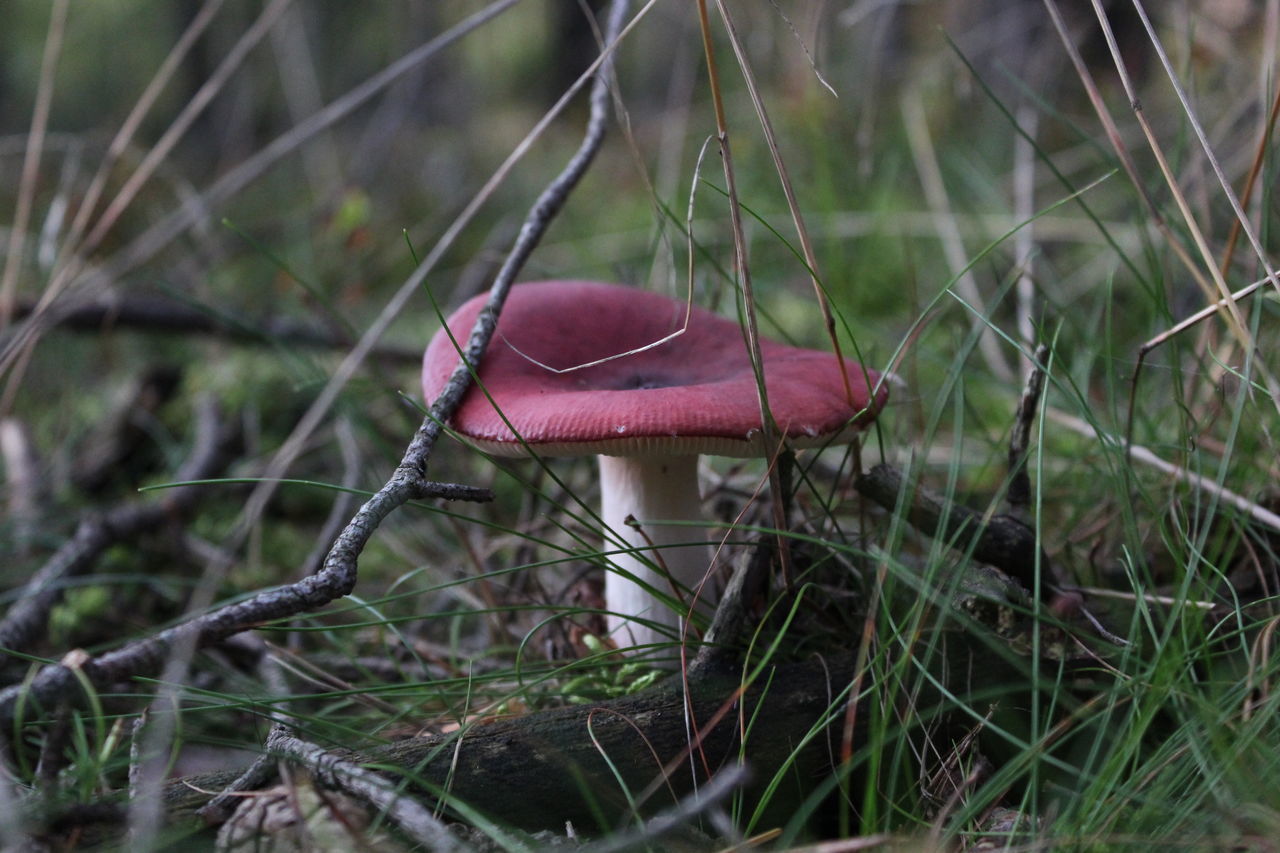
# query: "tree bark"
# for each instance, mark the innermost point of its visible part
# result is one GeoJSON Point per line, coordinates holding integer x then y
{"type": "Point", "coordinates": [541, 770]}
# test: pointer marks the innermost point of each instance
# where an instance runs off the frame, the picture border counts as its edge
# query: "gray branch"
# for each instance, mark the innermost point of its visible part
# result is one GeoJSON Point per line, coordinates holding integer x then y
{"type": "Point", "coordinates": [97, 532]}
{"type": "Point", "coordinates": [337, 576]}
{"type": "Point", "coordinates": [334, 771]}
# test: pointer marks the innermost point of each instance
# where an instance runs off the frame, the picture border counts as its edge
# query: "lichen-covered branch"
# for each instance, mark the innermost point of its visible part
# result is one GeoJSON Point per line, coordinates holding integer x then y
{"type": "Point", "coordinates": [342, 774]}
{"type": "Point", "coordinates": [337, 576]}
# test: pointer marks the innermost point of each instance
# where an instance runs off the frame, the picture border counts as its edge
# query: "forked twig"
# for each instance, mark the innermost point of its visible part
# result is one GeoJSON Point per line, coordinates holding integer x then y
{"type": "Point", "coordinates": [334, 771]}
{"type": "Point", "coordinates": [545, 208]}
{"type": "Point", "coordinates": [97, 532]}
{"type": "Point", "coordinates": [337, 577]}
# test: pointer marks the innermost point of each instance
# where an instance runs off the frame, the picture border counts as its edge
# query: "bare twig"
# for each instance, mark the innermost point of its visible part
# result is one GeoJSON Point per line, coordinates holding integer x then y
{"type": "Point", "coordinates": [768, 428]}
{"type": "Point", "coordinates": [135, 753]}
{"type": "Point", "coordinates": [1176, 329]}
{"type": "Point", "coordinates": [265, 766]}
{"type": "Point", "coordinates": [96, 533]}
{"type": "Point", "coordinates": [1001, 540]}
{"type": "Point", "coordinates": [196, 208]}
{"type": "Point", "coordinates": [263, 769]}
{"type": "Point", "coordinates": [221, 807]}
{"type": "Point", "coordinates": [153, 313]}
{"type": "Point", "coordinates": [1198, 317]}
{"type": "Point", "coordinates": [338, 773]}
{"type": "Point", "coordinates": [338, 575]}
{"type": "Point", "coordinates": [780, 166]}
{"type": "Point", "coordinates": [1147, 457]}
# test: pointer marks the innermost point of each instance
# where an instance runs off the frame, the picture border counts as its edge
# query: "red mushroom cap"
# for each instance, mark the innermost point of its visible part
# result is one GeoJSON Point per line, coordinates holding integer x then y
{"type": "Point", "coordinates": [693, 394]}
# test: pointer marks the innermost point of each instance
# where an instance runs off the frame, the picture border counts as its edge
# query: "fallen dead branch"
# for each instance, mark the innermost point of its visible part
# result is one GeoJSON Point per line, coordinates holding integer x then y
{"type": "Point", "coordinates": [578, 764]}
{"type": "Point", "coordinates": [164, 315]}
{"type": "Point", "coordinates": [58, 683]}
{"type": "Point", "coordinates": [214, 440]}
{"type": "Point", "coordinates": [345, 775]}
{"type": "Point", "coordinates": [598, 765]}
{"type": "Point", "coordinates": [593, 765]}
{"type": "Point", "coordinates": [1001, 540]}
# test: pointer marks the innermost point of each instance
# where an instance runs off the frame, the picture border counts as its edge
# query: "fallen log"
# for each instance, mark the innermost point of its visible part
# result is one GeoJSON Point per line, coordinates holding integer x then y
{"type": "Point", "coordinates": [596, 765]}
{"type": "Point", "coordinates": [585, 764]}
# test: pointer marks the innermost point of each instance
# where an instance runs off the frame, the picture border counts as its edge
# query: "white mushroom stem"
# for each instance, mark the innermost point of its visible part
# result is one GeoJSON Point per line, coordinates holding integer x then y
{"type": "Point", "coordinates": [649, 490]}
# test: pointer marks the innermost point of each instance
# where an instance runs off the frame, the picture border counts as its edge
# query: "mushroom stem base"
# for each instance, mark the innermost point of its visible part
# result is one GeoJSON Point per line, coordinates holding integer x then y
{"type": "Point", "coordinates": [646, 605]}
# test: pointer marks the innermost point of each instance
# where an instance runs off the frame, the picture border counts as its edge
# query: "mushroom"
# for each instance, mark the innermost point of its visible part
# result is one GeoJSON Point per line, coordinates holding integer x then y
{"type": "Point", "coordinates": [646, 415]}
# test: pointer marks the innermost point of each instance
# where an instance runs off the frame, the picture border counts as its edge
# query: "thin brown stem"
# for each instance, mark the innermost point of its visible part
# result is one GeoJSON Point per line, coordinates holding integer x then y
{"type": "Point", "coordinates": [1251, 180]}
{"type": "Point", "coordinates": [31, 159]}
{"type": "Point", "coordinates": [780, 166]}
{"type": "Point", "coordinates": [768, 426]}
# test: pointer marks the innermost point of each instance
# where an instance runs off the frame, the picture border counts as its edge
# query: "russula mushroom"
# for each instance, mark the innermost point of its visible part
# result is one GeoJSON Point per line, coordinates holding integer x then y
{"type": "Point", "coordinates": [646, 415]}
